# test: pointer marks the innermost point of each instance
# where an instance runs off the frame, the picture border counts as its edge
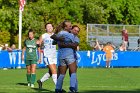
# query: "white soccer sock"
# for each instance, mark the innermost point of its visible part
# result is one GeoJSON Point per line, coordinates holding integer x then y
{"type": "Point", "coordinates": [54, 77]}
{"type": "Point", "coordinates": [60, 81]}
{"type": "Point", "coordinates": [73, 80]}
{"type": "Point", "coordinates": [45, 77]}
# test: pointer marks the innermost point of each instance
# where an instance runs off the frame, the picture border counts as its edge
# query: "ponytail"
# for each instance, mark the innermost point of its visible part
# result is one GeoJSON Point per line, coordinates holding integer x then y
{"type": "Point", "coordinates": [61, 26]}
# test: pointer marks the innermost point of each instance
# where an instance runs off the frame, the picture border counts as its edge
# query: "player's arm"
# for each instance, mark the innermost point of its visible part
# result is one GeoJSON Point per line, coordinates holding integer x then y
{"type": "Point", "coordinates": [39, 50]}
{"type": "Point", "coordinates": [54, 37]}
{"type": "Point", "coordinates": [54, 42]}
{"type": "Point", "coordinates": [104, 49]}
{"type": "Point", "coordinates": [74, 44]}
{"type": "Point", "coordinates": [78, 48]}
{"type": "Point", "coordinates": [68, 45]}
{"type": "Point", "coordinates": [23, 51]}
{"type": "Point", "coordinates": [40, 40]}
{"type": "Point", "coordinates": [39, 53]}
{"type": "Point", "coordinates": [112, 49]}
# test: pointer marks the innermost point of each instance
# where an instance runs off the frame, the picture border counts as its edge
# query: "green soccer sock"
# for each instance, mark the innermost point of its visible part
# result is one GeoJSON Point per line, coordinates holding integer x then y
{"type": "Point", "coordinates": [28, 78]}
{"type": "Point", "coordinates": [33, 78]}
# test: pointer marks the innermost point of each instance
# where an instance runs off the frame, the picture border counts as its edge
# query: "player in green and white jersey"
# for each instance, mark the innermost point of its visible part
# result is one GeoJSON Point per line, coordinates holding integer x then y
{"type": "Point", "coordinates": [31, 45]}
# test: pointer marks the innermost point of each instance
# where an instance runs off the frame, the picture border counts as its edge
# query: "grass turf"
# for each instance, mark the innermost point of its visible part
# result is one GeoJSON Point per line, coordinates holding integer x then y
{"type": "Point", "coordinates": [91, 80]}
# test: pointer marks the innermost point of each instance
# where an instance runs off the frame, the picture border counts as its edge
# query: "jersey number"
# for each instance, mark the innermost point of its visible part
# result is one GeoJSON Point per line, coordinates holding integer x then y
{"type": "Point", "coordinates": [30, 50]}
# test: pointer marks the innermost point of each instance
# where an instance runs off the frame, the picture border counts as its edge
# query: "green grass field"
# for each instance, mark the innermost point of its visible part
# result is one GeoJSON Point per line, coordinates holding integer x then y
{"type": "Point", "coordinates": [91, 80]}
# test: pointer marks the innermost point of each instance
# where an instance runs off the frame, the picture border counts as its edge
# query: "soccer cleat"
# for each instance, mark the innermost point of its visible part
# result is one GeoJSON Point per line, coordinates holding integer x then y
{"type": "Point", "coordinates": [39, 84]}
{"type": "Point", "coordinates": [72, 90]}
{"type": "Point", "coordinates": [64, 91]}
{"type": "Point", "coordinates": [28, 84]}
{"type": "Point", "coordinates": [58, 91]}
{"type": "Point", "coordinates": [32, 86]}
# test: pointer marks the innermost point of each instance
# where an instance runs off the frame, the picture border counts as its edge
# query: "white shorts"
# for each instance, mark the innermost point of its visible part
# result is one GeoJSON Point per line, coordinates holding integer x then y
{"type": "Point", "coordinates": [50, 60]}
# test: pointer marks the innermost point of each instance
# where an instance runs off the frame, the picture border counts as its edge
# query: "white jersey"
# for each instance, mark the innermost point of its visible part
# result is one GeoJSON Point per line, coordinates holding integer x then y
{"type": "Point", "coordinates": [49, 49]}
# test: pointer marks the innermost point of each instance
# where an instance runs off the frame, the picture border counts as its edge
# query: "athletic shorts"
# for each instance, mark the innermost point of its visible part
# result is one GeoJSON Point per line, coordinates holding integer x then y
{"type": "Point", "coordinates": [67, 61]}
{"type": "Point", "coordinates": [50, 60]}
{"type": "Point", "coordinates": [108, 57]}
{"type": "Point", "coordinates": [30, 62]}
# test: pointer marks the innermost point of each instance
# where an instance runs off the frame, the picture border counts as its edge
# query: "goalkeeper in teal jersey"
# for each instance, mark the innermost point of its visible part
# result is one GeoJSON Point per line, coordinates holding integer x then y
{"type": "Point", "coordinates": [30, 47]}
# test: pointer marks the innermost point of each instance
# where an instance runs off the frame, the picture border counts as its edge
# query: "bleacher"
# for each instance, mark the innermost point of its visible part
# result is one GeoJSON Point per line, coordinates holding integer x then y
{"type": "Point", "coordinates": [104, 33]}
{"type": "Point", "coordinates": [117, 40]}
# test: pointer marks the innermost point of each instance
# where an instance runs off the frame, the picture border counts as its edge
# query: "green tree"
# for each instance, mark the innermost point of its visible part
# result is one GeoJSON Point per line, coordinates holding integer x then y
{"type": "Point", "coordinates": [38, 12]}
{"type": "Point", "coordinates": [4, 37]}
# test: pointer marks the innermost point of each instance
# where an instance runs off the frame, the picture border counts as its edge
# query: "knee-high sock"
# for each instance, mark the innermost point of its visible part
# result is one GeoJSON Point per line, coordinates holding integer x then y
{"type": "Point", "coordinates": [45, 77]}
{"type": "Point", "coordinates": [28, 78]}
{"type": "Point", "coordinates": [33, 78]}
{"type": "Point", "coordinates": [76, 85]}
{"type": "Point", "coordinates": [73, 80]}
{"type": "Point", "coordinates": [60, 81]}
{"type": "Point", "coordinates": [54, 77]}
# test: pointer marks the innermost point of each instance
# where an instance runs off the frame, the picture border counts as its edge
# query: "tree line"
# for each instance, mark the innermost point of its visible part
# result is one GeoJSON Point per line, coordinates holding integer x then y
{"type": "Point", "coordinates": [38, 12]}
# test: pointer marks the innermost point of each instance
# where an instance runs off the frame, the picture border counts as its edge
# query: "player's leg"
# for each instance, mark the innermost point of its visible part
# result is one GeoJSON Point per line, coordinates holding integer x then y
{"type": "Point", "coordinates": [52, 72]}
{"type": "Point", "coordinates": [58, 71]}
{"type": "Point", "coordinates": [73, 77]}
{"type": "Point", "coordinates": [62, 71]}
{"type": "Point", "coordinates": [33, 73]}
{"type": "Point", "coordinates": [53, 69]}
{"type": "Point", "coordinates": [46, 76]}
{"type": "Point", "coordinates": [107, 62]}
{"type": "Point", "coordinates": [28, 75]}
{"type": "Point", "coordinates": [125, 45]}
{"type": "Point", "coordinates": [76, 84]}
{"type": "Point", "coordinates": [60, 79]}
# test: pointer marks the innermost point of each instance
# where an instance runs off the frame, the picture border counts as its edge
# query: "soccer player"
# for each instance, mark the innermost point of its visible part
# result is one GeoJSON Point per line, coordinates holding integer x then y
{"type": "Point", "coordinates": [49, 55]}
{"type": "Point", "coordinates": [75, 31]}
{"type": "Point", "coordinates": [30, 46]}
{"type": "Point", "coordinates": [108, 49]}
{"type": "Point", "coordinates": [66, 57]}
